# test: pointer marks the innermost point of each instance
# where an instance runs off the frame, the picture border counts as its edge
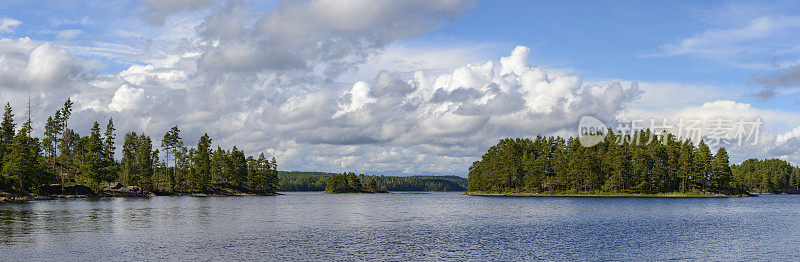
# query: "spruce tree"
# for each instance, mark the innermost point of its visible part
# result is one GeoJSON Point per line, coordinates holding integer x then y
{"type": "Point", "coordinates": [144, 162]}
{"type": "Point", "coordinates": [702, 165]}
{"type": "Point", "coordinates": [721, 170]}
{"type": "Point", "coordinates": [686, 164]}
{"type": "Point", "coordinates": [239, 167]}
{"type": "Point", "coordinates": [202, 163]}
{"type": "Point", "coordinates": [110, 167]}
{"type": "Point", "coordinates": [128, 173]}
{"type": "Point", "coordinates": [6, 131]}
{"type": "Point", "coordinates": [91, 159]}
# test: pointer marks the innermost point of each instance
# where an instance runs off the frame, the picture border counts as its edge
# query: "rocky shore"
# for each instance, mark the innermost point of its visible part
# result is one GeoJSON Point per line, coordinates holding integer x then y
{"type": "Point", "coordinates": [56, 191]}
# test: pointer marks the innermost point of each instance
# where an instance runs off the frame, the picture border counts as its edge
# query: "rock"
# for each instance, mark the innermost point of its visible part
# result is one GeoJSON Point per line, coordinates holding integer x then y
{"type": "Point", "coordinates": [56, 189]}
{"type": "Point", "coordinates": [132, 189]}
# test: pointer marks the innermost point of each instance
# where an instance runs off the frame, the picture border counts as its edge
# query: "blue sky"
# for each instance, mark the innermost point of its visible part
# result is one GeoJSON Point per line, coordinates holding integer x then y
{"type": "Point", "coordinates": [626, 39]}
{"type": "Point", "coordinates": [403, 87]}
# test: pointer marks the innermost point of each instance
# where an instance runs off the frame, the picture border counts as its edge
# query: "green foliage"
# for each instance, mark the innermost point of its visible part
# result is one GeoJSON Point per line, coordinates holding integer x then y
{"type": "Point", "coordinates": [642, 162]}
{"type": "Point", "coordinates": [317, 181]}
{"type": "Point", "coordinates": [201, 170]}
{"type": "Point", "coordinates": [262, 174]}
{"type": "Point", "coordinates": [349, 182]}
{"type": "Point", "coordinates": [22, 172]}
{"type": "Point", "coordinates": [89, 160]}
{"type": "Point", "coordinates": [6, 144]}
{"type": "Point", "coordinates": [762, 176]}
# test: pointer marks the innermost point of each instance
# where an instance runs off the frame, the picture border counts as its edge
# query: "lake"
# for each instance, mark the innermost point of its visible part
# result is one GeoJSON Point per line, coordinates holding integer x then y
{"type": "Point", "coordinates": [437, 226]}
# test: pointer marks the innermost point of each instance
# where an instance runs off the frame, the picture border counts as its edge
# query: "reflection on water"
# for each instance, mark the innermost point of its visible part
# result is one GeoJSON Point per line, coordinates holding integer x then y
{"type": "Point", "coordinates": [438, 226]}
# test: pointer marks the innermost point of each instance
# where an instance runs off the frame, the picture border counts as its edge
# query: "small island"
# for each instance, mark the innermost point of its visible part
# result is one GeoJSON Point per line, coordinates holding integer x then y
{"type": "Point", "coordinates": [349, 182]}
{"type": "Point", "coordinates": [65, 164]}
{"type": "Point", "coordinates": [638, 164]}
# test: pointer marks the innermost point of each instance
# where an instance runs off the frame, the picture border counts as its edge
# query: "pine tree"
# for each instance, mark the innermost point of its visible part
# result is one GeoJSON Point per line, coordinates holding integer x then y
{"type": "Point", "coordinates": [202, 163]}
{"type": "Point", "coordinates": [686, 164]}
{"type": "Point", "coordinates": [128, 173]}
{"type": "Point", "coordinates": [239, 167]}
{"type": "Point", "coordinates": [721, 170]}
{"type": "Point", "coordinates": [173, 143]}
{"type": "Point", "coordinates": [21, 171]}
{"type": "Point", "coordinates": [218, 166]}
{"type": "Point", "coordinates": [702, 165]}
{"type": "Point", "coordinates": [144, 162]}
{"type": "Point", "coordinates": [6, 132]}
{"type": "Point", "coordinates": [110, 167]}
{"type": "Point", "coordinates": [69, 139]}
{"type": "Point", "coordinates": [91, 158]}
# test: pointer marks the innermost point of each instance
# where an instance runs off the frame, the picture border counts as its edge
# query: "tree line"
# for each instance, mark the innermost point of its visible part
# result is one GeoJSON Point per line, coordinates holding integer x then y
{"type": "Point", "coordinates": [349, 182]}
{"type": "Point", "coordinates": [638, 162]}
{"type": "Point", "coordinates": [766, 176]}
{"type": "Point", "coordinates": [317, 181]}
{"type": "Point", "coordinates": [64, 157]}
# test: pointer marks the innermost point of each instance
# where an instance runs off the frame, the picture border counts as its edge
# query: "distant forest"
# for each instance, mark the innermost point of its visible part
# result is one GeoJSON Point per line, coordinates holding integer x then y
{"type": "Point", "coordinates": [766, 176]}
{"type": "Point", "coordinates": [349, 182]}
{"type": "Point", "coordinates": [64, 158]}
{"type": "Point", "coordinates": [665, 165]}
{"type": "Point", "coordinates": [317, 181]}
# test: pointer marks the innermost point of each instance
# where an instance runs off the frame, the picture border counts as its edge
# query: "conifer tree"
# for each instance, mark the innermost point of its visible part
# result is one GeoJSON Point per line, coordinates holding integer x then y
{"type": "Point", "coordinates": [721, 170]}
{"type": "Point", "coordinates": [22, 171]}
{"type": "Point", "coordinates": [686, 164]}
{"type": "Point", "coordinates": [144, 162]}
{"type": "Point", "coordinates": [202, 163]}
{"type": "Point", "coordinates": [6, 131]}
{"type": "Point", "coordinates": [702, 165]}
{"type": "Point", "coordinates": [128, 172]}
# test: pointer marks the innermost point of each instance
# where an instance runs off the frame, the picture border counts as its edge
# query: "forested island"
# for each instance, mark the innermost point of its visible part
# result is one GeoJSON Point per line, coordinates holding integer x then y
{"type": "Point", "coordinates": [317, 181]}
{"type": "Point", "coordinates": [349, 182]}
{"type": "Point", "coordinates": [64, 163]}
{"type": "Point", "coordinates": [644, 164]}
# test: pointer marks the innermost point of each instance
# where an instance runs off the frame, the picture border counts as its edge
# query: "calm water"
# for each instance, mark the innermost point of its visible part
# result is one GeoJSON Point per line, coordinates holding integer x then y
{"type": "Point", "coordinates": [438, 226]}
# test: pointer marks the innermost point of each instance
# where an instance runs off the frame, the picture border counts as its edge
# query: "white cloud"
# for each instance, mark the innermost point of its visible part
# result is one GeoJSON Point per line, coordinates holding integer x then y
{"type": "Point", "coordinates": [328, 37]}
{"type": "Point", "coordinates": [126, 98]}
{"type": "Point", "coordinates": [7, 25]}
{"type": "Point", "coordinates": [48, 67]}
{"type": "Point", "coordinates": [39, 65]}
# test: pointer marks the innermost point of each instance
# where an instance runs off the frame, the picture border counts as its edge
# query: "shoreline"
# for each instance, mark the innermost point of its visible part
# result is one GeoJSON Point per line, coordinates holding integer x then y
{"type": "Point", "coordinates": [28, 198]}
{"type": "Point", "coordinates": [610, 195]}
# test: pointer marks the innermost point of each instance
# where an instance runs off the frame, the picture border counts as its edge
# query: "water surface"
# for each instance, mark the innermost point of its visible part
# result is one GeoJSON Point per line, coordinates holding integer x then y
{"type": "Point", "coordinates": [437, 226]}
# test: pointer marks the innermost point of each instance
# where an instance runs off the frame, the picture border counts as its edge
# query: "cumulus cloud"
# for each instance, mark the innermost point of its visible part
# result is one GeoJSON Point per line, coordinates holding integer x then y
{"type": "Point", "coordinates": [7, 25]}
{"type": "Point", "coordinates": [126, 98]}
{"type": "Point", "coordinates": [424, 123]}
{"type": "Point", "coordinates": [453, 117]}
{"type": "Point", "coordinates": [330, 37]}
{"type": "Point", "coordinates": [39, 65]}
{"type": "Point", "coordinates": [48, 66]}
